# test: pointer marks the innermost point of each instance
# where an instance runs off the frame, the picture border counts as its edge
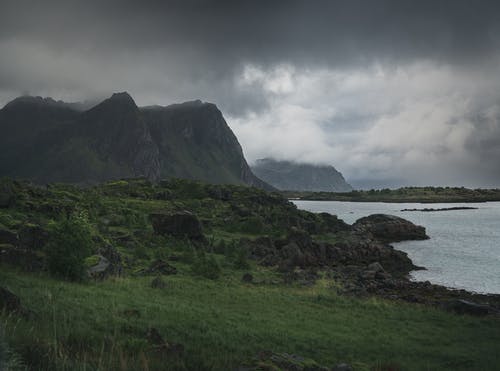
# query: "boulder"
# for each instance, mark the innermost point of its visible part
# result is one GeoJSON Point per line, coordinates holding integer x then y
{"type": "Point", "coordinates": [332, 224]}
{"type": "Point", "coordinates": [109, 263]}
{"type": "Point", "coordinates": [461, 306]}
{"type": "Point", "coordinates": [179, 224]}
{"type": "Point", "coordinates": [114, 259]}
{"type": "Point", "coordinates": [8, 237]}
{"type": "Point", "coordinates": [247, 277]}
{"type": "Point", "coordinates": [390, 228]}
{"type": "Point", "coordinates": [33, 237]}
{"type": "Point", "coordinates": [25, 259]}
{"type": "Point", "coordinates": [99, 270]}
{"type": "Point", "coordinates": [11, 303]}
{"type": "Point", "coordinates": [160, 267]}
{"type": "Point", "coordinates": [376, 267]}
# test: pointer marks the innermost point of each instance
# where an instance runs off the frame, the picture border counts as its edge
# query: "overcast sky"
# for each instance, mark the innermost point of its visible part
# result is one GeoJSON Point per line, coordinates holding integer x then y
{"type": "Point", "coordinates": [389, 92]}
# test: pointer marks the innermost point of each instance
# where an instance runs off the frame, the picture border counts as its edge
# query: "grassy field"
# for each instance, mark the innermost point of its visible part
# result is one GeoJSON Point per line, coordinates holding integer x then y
{"type": "Point", "coordinates": [220, 323]}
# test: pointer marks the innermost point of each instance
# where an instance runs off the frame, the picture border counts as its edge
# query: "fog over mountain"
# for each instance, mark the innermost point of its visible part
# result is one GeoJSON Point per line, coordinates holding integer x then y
{"type": "Point", "coordinates": [391, 92]}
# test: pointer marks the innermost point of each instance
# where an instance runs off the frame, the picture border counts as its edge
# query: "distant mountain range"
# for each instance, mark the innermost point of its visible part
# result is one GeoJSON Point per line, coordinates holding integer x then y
{"type": "Point", "coordinates": [51, 141]}
{"type": "Point", "coordinates": [291, 176]}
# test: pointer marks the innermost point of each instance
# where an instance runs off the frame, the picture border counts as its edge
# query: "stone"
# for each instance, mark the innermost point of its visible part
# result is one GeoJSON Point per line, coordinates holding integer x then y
{"type": "Point", "coordinates": [390, 228]}
{"type": "Point", "coordinates": [333, 224]}
{"type": "Point", "coordinates": [461, 306]}
{"type": "Point", "coordinates": [114, 259]}
{"type": "Point", "coordinates": [8, 237]}
{"type": "Point", "coordinates": [11, 303]}
{"type": "Point", "coordinates": [180, 224]}
{"type": "Point", "coordinates": [25, 259]}
{"type": "Point", "coordinates": [376, 267]}
{"type": "Point", "coordinates": [33, 237]}
{"type": "Point", "coordinates": [247, 277]}
{"type": "Point", "coordinates": [99, 271]}
{"type": "Point", "coordinates": [160, 267]}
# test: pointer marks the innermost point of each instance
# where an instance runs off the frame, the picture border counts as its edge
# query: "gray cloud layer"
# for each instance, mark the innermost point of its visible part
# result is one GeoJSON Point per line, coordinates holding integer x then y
{"type": "Point", "coordinates": [405, 90]}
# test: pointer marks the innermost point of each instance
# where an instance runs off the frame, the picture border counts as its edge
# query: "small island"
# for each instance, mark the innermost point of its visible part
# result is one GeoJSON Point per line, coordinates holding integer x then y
{"type": "Point", "coordinates": [403, 195]}
{"type": "Point", "coordinates": [443, 209]}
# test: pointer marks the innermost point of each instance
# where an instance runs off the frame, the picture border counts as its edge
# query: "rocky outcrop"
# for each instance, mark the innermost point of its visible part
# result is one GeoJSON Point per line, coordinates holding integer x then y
{"type": "Point", "coordinates": [8, 237]}
{"type": "Point", "coordinates": [11, 303]}
{"type": "Point", "coordinates": [182, 224]}
{"type": "Point", "coordinates": [299, 250]}
{"type": "Point", "coordinates": [108, 262]}
{"type": "Point", "coordinates": [389, 228]}
{"type": "Point", "coordinates": [292, 176]}
{"type": "Point", "coordinates": [462, 306]}
{"type": "Point", "coordinates": [33, 237]}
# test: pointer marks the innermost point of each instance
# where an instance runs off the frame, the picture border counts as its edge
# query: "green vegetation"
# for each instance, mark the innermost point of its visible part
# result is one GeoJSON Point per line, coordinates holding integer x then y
{"type": "Point", "coordinates": [221, 321]}
{"type": "Point", "coordinates": [70, 244]}
{"type": "Point", "coordinates": [406, 194]}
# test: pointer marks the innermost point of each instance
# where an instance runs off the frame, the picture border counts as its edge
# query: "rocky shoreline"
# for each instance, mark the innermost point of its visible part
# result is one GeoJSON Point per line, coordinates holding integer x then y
{"type": "Point", "coordinates": [365, 264]}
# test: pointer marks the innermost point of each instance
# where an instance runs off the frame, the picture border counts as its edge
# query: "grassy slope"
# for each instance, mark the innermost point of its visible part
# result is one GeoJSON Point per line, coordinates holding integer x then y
{"type": "Point", "coordinates": [221, 322]}
{"type": "Point", "coordinates": [225, 321]}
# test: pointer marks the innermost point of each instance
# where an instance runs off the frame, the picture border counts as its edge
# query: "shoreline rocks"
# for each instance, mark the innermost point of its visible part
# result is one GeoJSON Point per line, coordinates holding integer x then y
{"type": "Point", "coordinates": [389, 228]}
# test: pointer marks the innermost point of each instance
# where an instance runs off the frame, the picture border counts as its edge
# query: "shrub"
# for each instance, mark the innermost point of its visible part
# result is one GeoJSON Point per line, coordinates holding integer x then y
{"type": "Point", "coordinates": [252, 225]}
{"type": "Point", "coordinates": [206, 266]}
{"type": "Point", "coordinates": [241, 262]}
{"type": "Point", "coordinates": [70, 243]}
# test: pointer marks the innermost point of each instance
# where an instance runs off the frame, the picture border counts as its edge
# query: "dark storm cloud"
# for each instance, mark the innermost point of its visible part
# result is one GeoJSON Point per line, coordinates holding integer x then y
{"type": "Point", "coordinates": [383, 89]}
{"type": "Point", "coordinates": [264, 31]}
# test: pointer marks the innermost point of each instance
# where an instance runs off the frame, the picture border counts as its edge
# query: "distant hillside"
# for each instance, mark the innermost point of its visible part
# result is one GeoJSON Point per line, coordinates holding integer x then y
{"type": "Point", "coordinates": [291, 176]}
{"type": "Point", "coordinates": [51, 141]}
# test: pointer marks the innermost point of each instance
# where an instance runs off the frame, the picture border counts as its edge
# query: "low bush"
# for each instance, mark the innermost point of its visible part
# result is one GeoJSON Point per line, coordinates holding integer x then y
{"type": "Point", "coordinates": [206, 266]}
{"type": "Point", "coordinates": [70, 243]}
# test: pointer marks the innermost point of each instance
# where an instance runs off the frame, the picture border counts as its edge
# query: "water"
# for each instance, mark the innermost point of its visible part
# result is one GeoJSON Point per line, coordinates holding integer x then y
{"type": "Point", "coordinates": [464, 249]}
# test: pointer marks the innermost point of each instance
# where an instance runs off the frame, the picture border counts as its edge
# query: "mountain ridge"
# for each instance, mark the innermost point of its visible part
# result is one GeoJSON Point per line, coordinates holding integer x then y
{"type": "Point", "coordinates": [117, 139]}
{"type": "Point", "coordinates": [296, 176]}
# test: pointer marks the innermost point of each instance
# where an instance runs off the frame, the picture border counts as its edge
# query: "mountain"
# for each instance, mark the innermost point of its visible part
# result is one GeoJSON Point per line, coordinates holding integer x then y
{"type": "Point", "coordinates": [51, 141]}
{"type": "Point", "coordinates": [291, 176]}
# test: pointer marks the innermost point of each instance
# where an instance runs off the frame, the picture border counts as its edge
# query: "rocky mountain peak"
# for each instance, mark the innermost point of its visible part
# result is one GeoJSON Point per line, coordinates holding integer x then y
{"type": "Point", "coordinates": [118, 103]}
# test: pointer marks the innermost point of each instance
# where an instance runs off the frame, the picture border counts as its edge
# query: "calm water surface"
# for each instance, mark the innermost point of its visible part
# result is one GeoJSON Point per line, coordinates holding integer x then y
{"type": "Point", "coordinates": [464, 249]}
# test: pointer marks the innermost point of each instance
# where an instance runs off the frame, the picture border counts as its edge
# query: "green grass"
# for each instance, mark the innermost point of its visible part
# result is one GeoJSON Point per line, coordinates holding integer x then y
{"type": "Point", "coordinates": [221, 323]}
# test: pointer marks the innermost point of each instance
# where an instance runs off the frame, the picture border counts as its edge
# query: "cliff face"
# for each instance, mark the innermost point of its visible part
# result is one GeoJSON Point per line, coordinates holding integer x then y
{"type": "Point", "coordinates": [195, 142]}
{"type": "Point", "coordinates": [290, 176]}
{"type": "Point", "coordinates": [116, 139]}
